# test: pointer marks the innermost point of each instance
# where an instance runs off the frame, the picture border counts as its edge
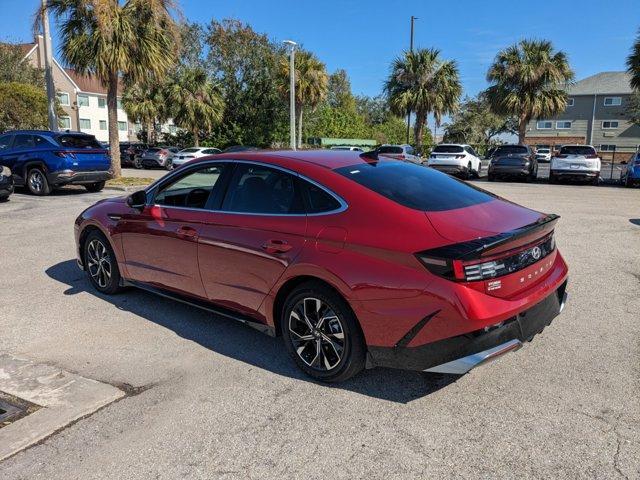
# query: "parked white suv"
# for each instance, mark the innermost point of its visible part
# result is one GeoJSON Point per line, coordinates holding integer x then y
{"type": "Point", "coordinates": [575, 162]}
{"type": "Point", "coordinates": [401, 152]}
{"type": "Point", "coordinates": [346, 147]}
{"type": "Point", "coordinates": [455, 159]}
{"type": "Point", "coordinates": [543, 154]}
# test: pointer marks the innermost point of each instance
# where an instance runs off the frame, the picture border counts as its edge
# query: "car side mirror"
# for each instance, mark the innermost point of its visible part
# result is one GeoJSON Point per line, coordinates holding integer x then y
{"type": "Point", "coordinates": [137, 199]}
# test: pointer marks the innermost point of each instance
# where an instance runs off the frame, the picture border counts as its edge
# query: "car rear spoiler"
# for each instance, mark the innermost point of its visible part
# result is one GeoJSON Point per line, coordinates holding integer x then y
{"type": "Point", "coordinates": [487, 246]}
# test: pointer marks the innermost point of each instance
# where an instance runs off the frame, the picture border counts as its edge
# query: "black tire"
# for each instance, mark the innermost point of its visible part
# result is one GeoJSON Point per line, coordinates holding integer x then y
{"type": "Point", "coordinates": [137, 163]}
{"type": "Point", "coordinates": [491, 177]}
{"type": "Point", "coordinates": [4, 198]}
{"type": "Point", "coordinates": [37, 182]}
{"type": "Point", "coordinates": [169, 164]}
{"type": "Point", "coordinates": [596, 181]}
{"type": "Point", "coordinates": [337, 359]}
{"type": "Point", "coordinates": [627, 182]}
{"type": "Point", "coordinates": [552, 179]}
{"type": "Point", "coordinates": [104, 275]}
{"type": "Point", "coordinates": [469, 173]}
{"type": "Point", "coordinates": [94, 187]}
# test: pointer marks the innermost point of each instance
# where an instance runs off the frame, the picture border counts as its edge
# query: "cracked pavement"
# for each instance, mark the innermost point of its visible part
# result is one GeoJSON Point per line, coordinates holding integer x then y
{"type": "Point", "coordinates": [208, 398]}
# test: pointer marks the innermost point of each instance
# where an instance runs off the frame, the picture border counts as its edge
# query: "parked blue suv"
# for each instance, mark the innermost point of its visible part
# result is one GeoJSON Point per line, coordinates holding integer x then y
{"type": "Point", "coordinates": [42, 160]}
{"type": "Point", "coordinates": [630, 176]}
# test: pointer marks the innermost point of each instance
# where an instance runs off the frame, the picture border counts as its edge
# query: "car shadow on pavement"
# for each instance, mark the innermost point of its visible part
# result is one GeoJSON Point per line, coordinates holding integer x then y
{"type": "Point", "coordinates": [245, 344]}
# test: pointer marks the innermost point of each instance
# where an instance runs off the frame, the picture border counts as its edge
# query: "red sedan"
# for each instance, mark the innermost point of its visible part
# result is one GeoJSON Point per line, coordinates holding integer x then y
{"type": "Point", "coordinates": [355, 260]}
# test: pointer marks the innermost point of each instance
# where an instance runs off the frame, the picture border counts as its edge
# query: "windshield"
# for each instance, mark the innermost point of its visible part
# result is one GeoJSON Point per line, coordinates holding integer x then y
{"type": "Point", "coordinates": [78, 141]}
{"type": "Point", "coordinates": [543, 150]}
{"type": "Point", "coordinates": [448, 149]}
{"type": "Point", "coordinates": [390, 149]}
{"type": "Point", "coordinates": [577, 150]}
{"type": "Point", "coordinates": [510, 149]}
{"type": "Point", "coordinates": [415, 186]}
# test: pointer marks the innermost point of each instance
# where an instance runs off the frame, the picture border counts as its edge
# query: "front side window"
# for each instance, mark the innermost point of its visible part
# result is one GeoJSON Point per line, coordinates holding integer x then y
{"type": "Point", "coordinates": [85, 124]}
{"type": "Point", "coordinates": [610, 124]}
{"type": "Point", "coordinates": [191, 190]}
{"type": "Point", "coordinates": [563, 125]}
{"type": "Point", "coordinates": [263, 190]}
{"type": "Point", "coordinates": [63, 98]}
{"type": "Point", "coordinates": [5, 141]}
{"type": "Point", "coordinates": [64, 122]}
{"type": "Point", "coordinates": [544, 125]}
{"type": "Point", "coordinates": [415, 186]}
{"type": "Point", "coordinates": [83, 101]}
{"type": "Point", "coordinates": [612, 101]}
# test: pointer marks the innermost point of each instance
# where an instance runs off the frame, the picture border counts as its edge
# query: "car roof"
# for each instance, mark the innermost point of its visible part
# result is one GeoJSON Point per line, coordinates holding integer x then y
{"type": "Point", "coordinates": [452, 145]}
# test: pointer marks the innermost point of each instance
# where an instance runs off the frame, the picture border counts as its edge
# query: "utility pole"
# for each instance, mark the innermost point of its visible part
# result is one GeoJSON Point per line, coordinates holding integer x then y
{"type": "Point", "coordinates": [291, 45]}
{"type": "Point", "coordinates": [409, 109]}
{"type": "Point", "coordinates": [51, 91]}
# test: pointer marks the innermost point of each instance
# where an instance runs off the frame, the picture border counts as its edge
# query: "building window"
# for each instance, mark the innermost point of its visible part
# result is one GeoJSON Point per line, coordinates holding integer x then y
{"type": "Point", "coordinates": [122, 126]}
{"type": "Point", "coordinates": [563, 125]}
{"type": "Point", "coordinates": [64, 122]}
{"type": "Point", "coordinates": [544, 125]}
{"type": "Point", "coordinates": [607, 148]}
{"type": "Point", "coordinates": [119, 102]}
{"type": "Point", "coordinates": [103, 124]}
{"type": "Point", "coordinates": [85, 124]}
{"type": "Point", "coordinates": [83, 101]}
{"type": "Point", "coordinates": [102, 102]}
{"type": "Point", "coordinates": [612, 101]}
{"type": "Point", "coordinates": [609, 124]}
{"type": "Point", "coordinates": [569, 102]}
{"type": "Point", "coordinates": [63, 98]}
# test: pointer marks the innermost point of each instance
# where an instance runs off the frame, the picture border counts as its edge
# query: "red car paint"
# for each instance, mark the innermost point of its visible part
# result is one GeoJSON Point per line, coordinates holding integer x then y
{"type": "Point", "coordinates": [366, 252]}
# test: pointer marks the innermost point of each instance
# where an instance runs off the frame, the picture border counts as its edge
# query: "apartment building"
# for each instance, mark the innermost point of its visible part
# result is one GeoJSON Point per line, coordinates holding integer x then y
{"type": "Point", "coordinates": [596, 114]}
{"type": "Point", "coordinates": [84, 99]}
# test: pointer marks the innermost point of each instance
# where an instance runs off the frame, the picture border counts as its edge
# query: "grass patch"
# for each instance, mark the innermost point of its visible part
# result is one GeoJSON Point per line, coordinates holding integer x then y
{"type": "Point", "coordinates": [129, 182]}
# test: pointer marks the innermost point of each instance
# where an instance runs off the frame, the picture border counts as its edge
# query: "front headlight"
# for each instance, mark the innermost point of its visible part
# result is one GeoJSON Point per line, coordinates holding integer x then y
{"type": "Point", "coordinates": [5, 172]}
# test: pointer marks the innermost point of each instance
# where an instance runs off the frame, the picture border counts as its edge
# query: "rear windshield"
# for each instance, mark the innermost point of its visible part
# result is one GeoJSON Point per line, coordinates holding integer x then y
{"type": "Point", "coordinates": [415, 186]}
{"type": "Point", "coordinates": [390, 149]}
{"type": "Point", "coordinates": [153, 150]}
{"type": "Point", "coordinates": [507, 149]}
{"type": "Point", "coordinates": [448, 149]}
{"type": "Point", "coordinates": [577, 150]}
{"type": "Point", "coordinates": [190, 150]}
{"type": "Point", "coordinates": [78, 141]}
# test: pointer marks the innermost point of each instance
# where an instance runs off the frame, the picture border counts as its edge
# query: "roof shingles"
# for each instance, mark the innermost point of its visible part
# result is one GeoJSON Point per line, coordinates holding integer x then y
{"type": "Point", "coordinates": [602, 83]}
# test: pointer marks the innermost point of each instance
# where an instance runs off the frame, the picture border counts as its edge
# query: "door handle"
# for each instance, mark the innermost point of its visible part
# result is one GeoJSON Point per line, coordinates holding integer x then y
{"type": "Point", "coordinates": [185, 231]}
{"type": "Point", "coordinates": [276, 246]}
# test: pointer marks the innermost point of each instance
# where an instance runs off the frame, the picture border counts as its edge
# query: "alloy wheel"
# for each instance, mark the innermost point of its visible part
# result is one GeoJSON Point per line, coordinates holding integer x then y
{"type": "Point", "coordinates": [36, 181]}
{"type": "Point", "coordinates": [317, 334]}
{"type": "Point", "coordinates": [99, 263]}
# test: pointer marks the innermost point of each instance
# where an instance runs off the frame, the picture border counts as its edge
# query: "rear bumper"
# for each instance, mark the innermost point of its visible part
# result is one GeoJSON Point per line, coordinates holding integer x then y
{"type": "Point", "coordinates": [509, 170]}
{"type": "Point", "coordinates": [78, 178]}
{"type": "Point", "coordinates": [577, 174]}
{"type": "Point", "coordinates": [154, 162]}
{"type": "Point", "coordinates": [450, 169]}
{"type": "Point", "coordinates": [457, 355]}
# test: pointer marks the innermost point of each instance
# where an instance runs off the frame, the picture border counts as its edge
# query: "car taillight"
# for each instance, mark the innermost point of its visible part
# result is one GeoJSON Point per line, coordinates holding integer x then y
{"type": "Point", "coordinates": [459, 156]}
{"type": "Point", "coordinates": [64, 154]}
{"type": "Point", "coordinates": [473, 271]}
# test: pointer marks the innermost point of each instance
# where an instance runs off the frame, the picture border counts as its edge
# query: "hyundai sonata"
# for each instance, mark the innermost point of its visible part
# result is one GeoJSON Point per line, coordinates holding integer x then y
{"type": "Point", "coordinates": [355, 260]}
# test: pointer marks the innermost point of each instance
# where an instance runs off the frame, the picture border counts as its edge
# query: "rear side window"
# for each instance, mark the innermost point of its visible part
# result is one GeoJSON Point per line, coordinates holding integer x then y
{"type": "Point", "coordinates": [511, 149]}
{"type": "Point", "coordinates": [5, 141]}
{"type": "Point", "coordinates": [78, 141]}
{"type": "Point", "coordinates": [577, 150]}
{"type": "Point", "coordinates": [390, 149]}
{"type": "Point", "coordinates": [415, 186]}
{"type": "Point", "coordinates": [263, 190]}
{"type": "Point", "coordinates": [448, 149]}
{"type": "Point", "coordinates": [23, 141]}
{"type": "Point", "coordinates": [317, 199]}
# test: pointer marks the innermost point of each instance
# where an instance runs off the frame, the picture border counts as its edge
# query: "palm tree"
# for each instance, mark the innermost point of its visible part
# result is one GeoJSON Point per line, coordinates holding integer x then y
{"type": "Point", "coordinates": [423, 83]}
{"type": "Point", "coordinates": [144, 103]}
{"type": "Point", "coordinates": [528, 80]}
{"type": "Point", "coordinates": [112, 40]}
{"type": "Point", "coordinates": [194, 102]}
{"type": "Point", "coordinates": [633, 64]}
{"type": "Point", "coordinates": [312, 83]}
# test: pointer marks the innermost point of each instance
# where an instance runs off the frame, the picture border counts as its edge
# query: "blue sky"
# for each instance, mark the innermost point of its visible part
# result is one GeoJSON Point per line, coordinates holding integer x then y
{"type": "Point", "coordinates": [364, 36]}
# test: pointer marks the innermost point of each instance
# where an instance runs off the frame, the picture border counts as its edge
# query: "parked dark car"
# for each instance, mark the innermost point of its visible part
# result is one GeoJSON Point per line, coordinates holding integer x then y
{"type": "Point", "coordinates": [509, 161]}
{"type": "Point", "coordinates": [285, 242]}
{"type": "Point", "coordinates": [6, 183]}
{"type": "Point", "coordinates": [130, 153]}
{"type": "Point", "coordinates": [159, 157]}
{"type": "Point", "coordinates": [42, 160]}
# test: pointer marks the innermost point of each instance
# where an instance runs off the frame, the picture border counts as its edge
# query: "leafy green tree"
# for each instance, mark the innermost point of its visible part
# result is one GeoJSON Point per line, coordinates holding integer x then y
{"type": "Point", "coordinates": [335, 122]}
{"type": "Point", "coordinates": [22, 106]}
{"type": "Point", "coordinates": [375, 110]}
{"type": "Point", "coordinates": [13, 67]}
{"type": "Point", "coordinates": [245, 64]}
{"type": "Point", "coordinates": [194, 102]}
{"type": "Point", "coordinates": [476, 123]}
{"type": "Point", "coordinates": [145, 104]}
{"type": "Point", "coordinates": [422, 82]}
{"type": "Point", "coordinates": [312, 83]}
{"type": "Point", "coordinates": [339, 91]}
{"type": "Point", "coordinates": [528, 80]}
{"type": "Point", "coordinates": [134, 40]}
{"type": "Point", "coordinates": [633, 64]}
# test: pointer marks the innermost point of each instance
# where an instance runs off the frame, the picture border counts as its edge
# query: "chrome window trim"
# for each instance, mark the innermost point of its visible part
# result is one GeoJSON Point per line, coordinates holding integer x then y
{"type": "Point", "coordinates": [343, 204]}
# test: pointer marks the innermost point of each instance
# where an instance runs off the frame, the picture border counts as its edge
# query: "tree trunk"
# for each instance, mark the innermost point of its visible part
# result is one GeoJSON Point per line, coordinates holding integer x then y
{"type": "Point", "coordinates": [300, 128]}
{"type": "Point", "coordinates": [149, 132]}
{"type": "Point", "coordinates": [112, 116]}
{"type": "Point", "coordinates": [196, 143]}
{"type": "Point", "coordinates": [418, 130]}
{"type": "Point", "coordinates": [522, 129]}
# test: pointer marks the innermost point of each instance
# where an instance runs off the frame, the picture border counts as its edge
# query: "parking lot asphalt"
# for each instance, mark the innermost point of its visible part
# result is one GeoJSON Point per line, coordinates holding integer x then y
{"type": "Point", "coordinates": [209, 398]}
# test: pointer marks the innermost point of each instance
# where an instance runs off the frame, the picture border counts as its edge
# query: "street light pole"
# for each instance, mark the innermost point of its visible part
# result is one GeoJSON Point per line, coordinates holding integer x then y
{"type": "Point", "coordinates": [411, 50]}
{"type": "Point", "coordinates": [51, 91]}
{"type": "Point", "coordinates": [292, 92]}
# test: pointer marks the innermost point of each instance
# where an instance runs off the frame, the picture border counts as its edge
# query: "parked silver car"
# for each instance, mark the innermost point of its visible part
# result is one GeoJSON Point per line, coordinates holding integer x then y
{"type": "Point", "coordinates": [183, 156]}
{"type": "Point", "coordinates": [400, 152]}
{"type": "Point", "coordinates": [159, 157]}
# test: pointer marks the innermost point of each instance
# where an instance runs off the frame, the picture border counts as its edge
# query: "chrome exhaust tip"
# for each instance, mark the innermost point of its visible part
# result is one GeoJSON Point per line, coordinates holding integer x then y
{"type": "Point", "coordinates": [464, 364]}
{"type": "Point", "coordinates": [565, 295]}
